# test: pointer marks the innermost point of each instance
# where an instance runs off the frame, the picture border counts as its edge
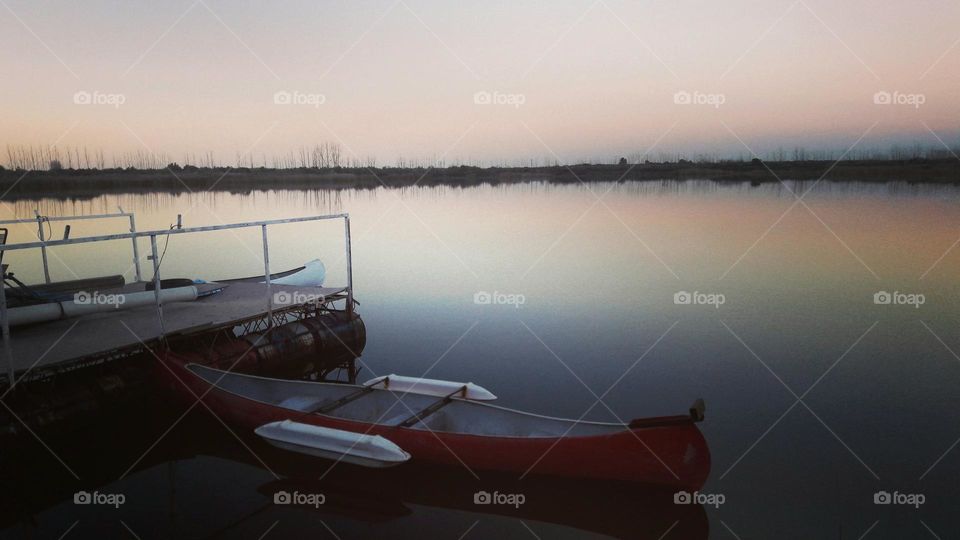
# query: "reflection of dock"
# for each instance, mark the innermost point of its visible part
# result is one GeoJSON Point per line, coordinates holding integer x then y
{"type": "Point", "coordinates": [275, 324]}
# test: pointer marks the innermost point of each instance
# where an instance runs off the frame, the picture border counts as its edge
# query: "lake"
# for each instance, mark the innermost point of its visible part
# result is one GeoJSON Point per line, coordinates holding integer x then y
{"type": "Point", "coordinates": [821, 334]}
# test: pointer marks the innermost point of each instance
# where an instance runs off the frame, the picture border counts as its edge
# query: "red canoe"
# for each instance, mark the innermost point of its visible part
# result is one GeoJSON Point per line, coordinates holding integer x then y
{"type": "Point", "coordinates": [659, 451]}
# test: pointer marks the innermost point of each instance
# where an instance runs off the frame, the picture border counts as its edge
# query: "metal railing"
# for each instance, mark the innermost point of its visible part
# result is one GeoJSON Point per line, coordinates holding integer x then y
{"type": "Point", "coordinates": [41, 219]}
{"type": "Point", "coordinates": [152, 235]}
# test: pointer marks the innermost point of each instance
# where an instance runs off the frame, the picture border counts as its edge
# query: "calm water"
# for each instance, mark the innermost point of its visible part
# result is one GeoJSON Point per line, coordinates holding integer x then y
{"type": "Point", "coordinates": [597, 280]}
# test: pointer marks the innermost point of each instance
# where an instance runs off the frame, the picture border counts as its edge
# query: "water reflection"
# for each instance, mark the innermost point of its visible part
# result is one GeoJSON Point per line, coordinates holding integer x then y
{"type": "Point", "coordinates": [160, 492]}
{"type": "Point", "coordinates": [599, 291]}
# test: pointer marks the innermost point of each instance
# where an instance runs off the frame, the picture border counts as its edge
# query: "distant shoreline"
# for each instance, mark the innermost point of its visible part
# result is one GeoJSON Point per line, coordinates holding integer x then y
{"type": "Point", "coordinates": [88, 183]}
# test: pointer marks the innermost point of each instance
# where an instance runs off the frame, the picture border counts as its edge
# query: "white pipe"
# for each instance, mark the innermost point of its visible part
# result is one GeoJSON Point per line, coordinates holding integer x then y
{"type": "Point", "coordinates": [96, 302]}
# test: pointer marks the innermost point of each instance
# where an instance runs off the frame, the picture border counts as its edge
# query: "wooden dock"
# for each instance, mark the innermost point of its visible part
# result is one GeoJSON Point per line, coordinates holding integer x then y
{"type": "Point", "coordinates": [69, 362]}
{"type": "Point", "coordinates": [63, 343]}
{"type": "Point", "coordinates": [33, 350]}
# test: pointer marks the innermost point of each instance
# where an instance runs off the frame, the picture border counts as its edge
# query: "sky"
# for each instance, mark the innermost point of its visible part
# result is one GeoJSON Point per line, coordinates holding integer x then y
{"type": "Point", "coordinates": [497, 82]}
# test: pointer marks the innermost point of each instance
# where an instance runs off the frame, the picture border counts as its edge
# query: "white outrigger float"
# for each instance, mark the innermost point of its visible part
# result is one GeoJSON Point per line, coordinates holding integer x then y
{"type": "Point", "coordinates": [336, 444]}
{"type": "Point", "coordinates": [360, 448]}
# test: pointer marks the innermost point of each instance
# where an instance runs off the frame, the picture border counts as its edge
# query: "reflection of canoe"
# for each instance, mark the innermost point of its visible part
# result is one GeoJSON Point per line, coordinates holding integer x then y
{"type": "Point", "coordinates": [376, 502]}
{"type": "Point", "coordinates": [665, 451]}
{"type": "Point", "coordinates": [380, 495]}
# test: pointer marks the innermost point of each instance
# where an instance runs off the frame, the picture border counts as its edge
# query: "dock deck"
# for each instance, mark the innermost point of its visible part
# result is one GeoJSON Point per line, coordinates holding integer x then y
{"type": "Point", "coordinates": [68, 343]}
{"type": "Point", "coordinates": [42, 346]}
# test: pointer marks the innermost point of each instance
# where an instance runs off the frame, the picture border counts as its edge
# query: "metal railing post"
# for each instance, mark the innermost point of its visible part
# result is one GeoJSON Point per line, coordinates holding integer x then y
{"type": "Point", "coordinates": [136, 250]}
{"type": "Point", "coordinates": [266, 273]}
{"type": "Point", "coordinates": [5, 323]}
{"type": "Point", "coordinates": [43, 248]}
{"type": "Point", "coordinates": [346, 231]}
{"type": "Point", "coordinates": [156, 283]}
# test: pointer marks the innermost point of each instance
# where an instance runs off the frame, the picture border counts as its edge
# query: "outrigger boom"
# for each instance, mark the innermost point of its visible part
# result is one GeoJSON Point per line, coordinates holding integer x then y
{"type": "Point", "coordinates": [432, 387]}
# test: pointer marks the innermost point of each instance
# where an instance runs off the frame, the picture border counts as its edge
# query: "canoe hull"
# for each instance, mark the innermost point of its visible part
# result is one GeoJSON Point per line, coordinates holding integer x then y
{"type": "Point", "coordinates": [672, 456]}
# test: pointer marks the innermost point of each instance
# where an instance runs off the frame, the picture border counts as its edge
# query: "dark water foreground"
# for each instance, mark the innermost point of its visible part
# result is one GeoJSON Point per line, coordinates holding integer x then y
{"type": "Point", "coordinates": [174, 491]}
{"type": "Point", "coordinates": [831, 388]}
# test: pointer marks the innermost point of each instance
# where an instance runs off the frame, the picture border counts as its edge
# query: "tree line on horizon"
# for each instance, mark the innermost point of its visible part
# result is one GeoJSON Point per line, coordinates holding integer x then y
{"type": "Point", "coordinates": [329, 156]}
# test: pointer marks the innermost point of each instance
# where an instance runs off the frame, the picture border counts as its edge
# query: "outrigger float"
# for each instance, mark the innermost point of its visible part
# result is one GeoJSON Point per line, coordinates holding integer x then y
{"type": "Point", "coordinates": [390, 420]}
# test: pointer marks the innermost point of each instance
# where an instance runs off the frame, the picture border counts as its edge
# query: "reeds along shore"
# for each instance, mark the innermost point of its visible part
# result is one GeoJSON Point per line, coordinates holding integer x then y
{"type": "Point", "coordinates": [80, 183]}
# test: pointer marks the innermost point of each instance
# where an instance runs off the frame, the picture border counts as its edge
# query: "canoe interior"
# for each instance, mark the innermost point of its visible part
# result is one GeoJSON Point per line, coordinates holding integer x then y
{"type": "Point", "coordinates": [258, 279]}
{"type": "Point", "coordinates": [382, 407]}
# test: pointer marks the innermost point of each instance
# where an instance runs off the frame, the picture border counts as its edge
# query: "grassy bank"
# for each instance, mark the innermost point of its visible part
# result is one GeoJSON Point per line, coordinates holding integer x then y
{"type": "Point", "coordinates": [85, 183]}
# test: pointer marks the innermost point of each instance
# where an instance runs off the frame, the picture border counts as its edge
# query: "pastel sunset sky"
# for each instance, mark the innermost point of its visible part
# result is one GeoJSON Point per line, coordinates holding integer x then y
{"type": "Point", "coordinates": [485, 82]}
